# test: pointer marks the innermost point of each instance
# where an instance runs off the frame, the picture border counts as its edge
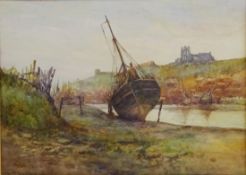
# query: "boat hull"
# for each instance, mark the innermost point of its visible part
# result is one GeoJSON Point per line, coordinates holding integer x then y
{"type": "Point", "coordinates": [134, 100]}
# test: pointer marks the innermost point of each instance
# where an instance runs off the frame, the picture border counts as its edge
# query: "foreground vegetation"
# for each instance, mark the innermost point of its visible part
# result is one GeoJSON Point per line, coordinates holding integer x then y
{"type": "Point", "coordinates": [35, 141]}
{"type": "Point", "coordinates": [95, 144]}
{"type": "Point", "coordinates": [23, 107]}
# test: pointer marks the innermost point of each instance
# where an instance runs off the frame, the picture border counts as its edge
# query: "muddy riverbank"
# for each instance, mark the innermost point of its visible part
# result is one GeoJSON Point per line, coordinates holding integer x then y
{"type": "Point", "coordinates": [221, 116]}
{"type": "Point", "coordinates": [95, 144]}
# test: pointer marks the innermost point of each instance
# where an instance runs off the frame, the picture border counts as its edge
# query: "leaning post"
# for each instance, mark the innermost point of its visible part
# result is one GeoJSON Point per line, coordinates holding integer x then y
{"type": "Point", "coordinates": [80, 105]}
{"type": "Point", "coordinates": [61, 103]}
{"type": "Point", "coordinates": [159, 112]}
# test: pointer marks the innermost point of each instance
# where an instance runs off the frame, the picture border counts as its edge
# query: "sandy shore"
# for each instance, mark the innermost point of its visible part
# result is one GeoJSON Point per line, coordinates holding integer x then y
{"type": "Point", "coordinates": [95, 144]}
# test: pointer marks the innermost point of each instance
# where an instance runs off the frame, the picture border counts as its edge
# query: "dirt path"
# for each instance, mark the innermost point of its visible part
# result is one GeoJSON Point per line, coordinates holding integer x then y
{"type": "Point", "coordinates": [98, 145]}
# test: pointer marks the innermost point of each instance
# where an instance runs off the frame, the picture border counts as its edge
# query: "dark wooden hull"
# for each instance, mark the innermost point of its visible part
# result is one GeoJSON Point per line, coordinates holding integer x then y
{"type": "Point", "coordinates": [134, 100]}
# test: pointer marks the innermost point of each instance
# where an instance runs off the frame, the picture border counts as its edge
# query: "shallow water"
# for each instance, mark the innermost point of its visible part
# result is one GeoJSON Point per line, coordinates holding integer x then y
{"type": "Point", "coordinates": [195, 117]}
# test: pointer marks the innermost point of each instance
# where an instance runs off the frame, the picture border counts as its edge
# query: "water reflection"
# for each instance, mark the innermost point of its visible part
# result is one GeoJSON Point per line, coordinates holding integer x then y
{"type": "Point", "coordinates": [185, 112]}
{"type": "Point", "coordinates": [206, 116]}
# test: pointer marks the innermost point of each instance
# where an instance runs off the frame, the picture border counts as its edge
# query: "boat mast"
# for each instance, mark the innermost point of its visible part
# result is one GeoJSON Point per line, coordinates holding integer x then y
{"type": "Point", "coordinates": [117, 47]}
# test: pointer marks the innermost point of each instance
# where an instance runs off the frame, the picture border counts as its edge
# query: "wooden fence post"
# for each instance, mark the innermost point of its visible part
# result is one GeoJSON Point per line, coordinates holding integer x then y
{"type": "Point", "coordinates": [80, 105]}
{"type": "Point", "coordinates": [61, 103]}
{"type": "Point", "coordinates": [159, 112]}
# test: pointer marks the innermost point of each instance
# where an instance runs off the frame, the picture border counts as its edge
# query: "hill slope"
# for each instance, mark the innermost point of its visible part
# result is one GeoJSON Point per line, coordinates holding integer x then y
{"type": "Point", "coordinates": [182, 79]}
{"type": "Point", "coordinates": [211, 69]}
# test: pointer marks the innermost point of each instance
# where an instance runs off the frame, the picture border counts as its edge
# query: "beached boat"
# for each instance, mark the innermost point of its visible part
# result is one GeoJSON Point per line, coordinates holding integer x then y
{"type": "Point", "coordinates": [135, 93]}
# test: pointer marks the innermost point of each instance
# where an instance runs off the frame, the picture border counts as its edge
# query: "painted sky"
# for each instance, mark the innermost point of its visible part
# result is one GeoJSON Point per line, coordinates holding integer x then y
{"type": "Point", "coordinates": [67, 35]}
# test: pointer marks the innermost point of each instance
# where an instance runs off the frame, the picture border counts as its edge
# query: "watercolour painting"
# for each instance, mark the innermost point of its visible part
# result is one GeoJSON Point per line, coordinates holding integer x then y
{"type": "Point", "coordinates": [119, 87]}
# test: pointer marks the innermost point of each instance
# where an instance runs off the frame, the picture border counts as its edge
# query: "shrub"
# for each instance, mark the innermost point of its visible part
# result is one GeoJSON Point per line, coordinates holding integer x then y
{"type": "Point", "coordinates": [23, 107]}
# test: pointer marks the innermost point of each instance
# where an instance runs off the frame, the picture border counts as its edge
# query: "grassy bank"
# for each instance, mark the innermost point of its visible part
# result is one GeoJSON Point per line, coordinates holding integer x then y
{"type": "Point", "coordinates": [95, 144]}
{"type": "Point", "coordinates": [23, 107]}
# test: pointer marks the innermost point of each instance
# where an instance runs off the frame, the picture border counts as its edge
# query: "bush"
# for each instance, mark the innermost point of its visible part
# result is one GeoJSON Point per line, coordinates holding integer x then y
{"type": "Point", "coordinates": [23, 107]}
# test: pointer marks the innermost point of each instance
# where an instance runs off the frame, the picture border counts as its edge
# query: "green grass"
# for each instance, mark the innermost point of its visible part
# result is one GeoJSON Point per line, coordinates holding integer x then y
{"type": "Point", "coordinates": [163, 72]}
{"type": "Point", "coordinates": [22, 106]}
{"type": "Point", "coordinates": [226, 67]}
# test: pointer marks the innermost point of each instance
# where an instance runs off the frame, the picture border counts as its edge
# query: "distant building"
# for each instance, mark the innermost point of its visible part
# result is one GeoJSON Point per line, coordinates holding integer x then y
{"type": "Point", "coordinates": [187, 57]}
{"type": "Point", "coordinates": [99, 72]}
{"type": "Point", "coordinates": [149, 63]}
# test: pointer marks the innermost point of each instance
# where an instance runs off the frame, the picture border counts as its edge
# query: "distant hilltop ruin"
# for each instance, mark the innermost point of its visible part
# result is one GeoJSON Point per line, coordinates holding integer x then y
{"type": "Point", "coordinates": [98, 72]}
{"type": "Point", "coordinates": [188, 57]}
{"type": "Point", "coordinates": [149, 63]}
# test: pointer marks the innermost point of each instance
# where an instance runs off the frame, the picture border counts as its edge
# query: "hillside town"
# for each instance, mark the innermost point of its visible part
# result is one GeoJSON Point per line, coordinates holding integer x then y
{"type": "Point", "coordinates": [190, 79]}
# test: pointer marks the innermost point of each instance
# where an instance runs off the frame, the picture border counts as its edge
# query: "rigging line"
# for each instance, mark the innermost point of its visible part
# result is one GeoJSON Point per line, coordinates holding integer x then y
{"type": "Point", "coordinates": [108, 45]}
{"type": "Point", "coordinates": [110, 50]}
{"type": "Point", "coordinates": [115, 60]}
{"type": "Point", "coordinates": [114, 70]}
{"type": "Point", "coordinates": [107, 42]}
{"type": "Point", "coordinates": [142, 71]}
{"type": "Point", "coordinates": [128, 54]}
